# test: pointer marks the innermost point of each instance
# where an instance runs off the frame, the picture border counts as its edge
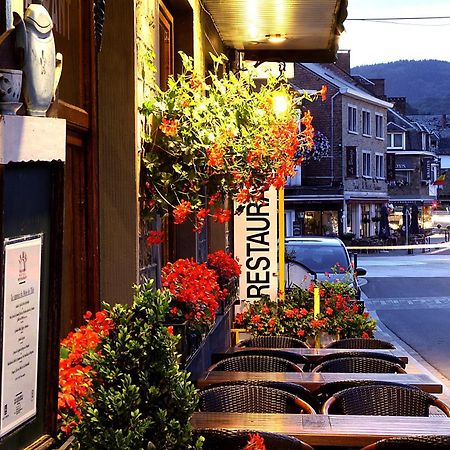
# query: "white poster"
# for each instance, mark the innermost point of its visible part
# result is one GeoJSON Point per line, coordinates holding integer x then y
{"type": "Point", "coordinates": [20, 331]}
{"type": "Point", "coordinates": [255, 244]}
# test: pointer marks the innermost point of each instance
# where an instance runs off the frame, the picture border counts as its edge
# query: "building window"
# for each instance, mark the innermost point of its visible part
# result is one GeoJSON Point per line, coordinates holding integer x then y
{"type": "Point", "coordinates": [379, 165]}
{"type": "Point", "coordinates": [379, 129]}
{"type": "Point", "coordinates": [352, 122]}
{"type": "Point", "coordinates": [366, 164]}
{"type": "Point", "coordinates": [366, 123]}
{"type": "Point", "coordinates": [396, 140]}
{"type": "Point", "coordinates": [402, 178]}
{"type": "Point", "coordinates": [295, 180]}
{"type": "Point", "coordinates": [424, 141]}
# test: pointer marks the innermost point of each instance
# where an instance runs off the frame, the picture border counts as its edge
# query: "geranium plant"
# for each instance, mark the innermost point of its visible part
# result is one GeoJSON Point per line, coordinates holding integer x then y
{"type": "Point", "coordinates": [75, 374]}
{"type": "Point", "coordinates": [219, 136]}
{"type": "Point", "coordinates": [339, 313]}
{"type": "Point", "coordinates": [195, 292]}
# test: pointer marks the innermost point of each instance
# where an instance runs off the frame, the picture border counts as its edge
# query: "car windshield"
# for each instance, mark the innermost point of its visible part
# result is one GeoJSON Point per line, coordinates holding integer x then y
{"type": "Point", "coordinates": [318, 257]}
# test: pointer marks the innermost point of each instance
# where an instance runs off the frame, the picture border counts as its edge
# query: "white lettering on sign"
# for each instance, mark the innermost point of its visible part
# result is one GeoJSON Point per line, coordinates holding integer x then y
{"type": "Point", "coordinates": [255, 244]}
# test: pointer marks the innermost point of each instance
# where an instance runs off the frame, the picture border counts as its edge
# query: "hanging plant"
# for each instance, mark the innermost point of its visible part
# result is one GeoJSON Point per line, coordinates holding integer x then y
{"type": "Point", "coordinates": [219, 137]}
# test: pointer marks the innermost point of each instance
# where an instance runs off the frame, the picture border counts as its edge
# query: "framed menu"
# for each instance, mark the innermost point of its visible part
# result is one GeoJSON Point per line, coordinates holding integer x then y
{"type": "Point", "coordinates": [20, 330]}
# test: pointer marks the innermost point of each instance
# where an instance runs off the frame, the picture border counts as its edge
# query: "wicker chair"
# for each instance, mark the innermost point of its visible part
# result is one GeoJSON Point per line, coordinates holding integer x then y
{"type": "Point", "coordinates": [294, 389]}
{"type": "Point", "coordinates": [252, 399]}
{"type": "Point", "coordinates": [273, 342]}
{"type": "Point", "coordinates": [359, 365]}
{"type": "Point", "coordinates": [255, 363]}
{"type": "Point", "coordinates": [359, 353]}
{"type": "Point", "coordinates": [360, 343]}
{"type": "Point", "coordinates": [278, 352]}
{"type": "Point", "coordinates": [328, 389]}
{"type": "Point", "coordinates": [237, 440]}
{"type": "Point", "coordinates": [411, 443]}
{"type": "Point", "coordinates": [376, 400]}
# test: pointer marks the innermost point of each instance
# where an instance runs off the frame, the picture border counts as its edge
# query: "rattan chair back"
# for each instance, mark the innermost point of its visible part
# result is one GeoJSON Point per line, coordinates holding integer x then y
{"type": "Point", "coordinates": [328, 389]}
{"type": "Point", "coordinates": [360, 343]}
{"type": "Point", "coordinates": [360, 353]}
{"type": "Point", "coordinates": [378, 400]}
{"type": "Point", "coordinates": [294, 389]}
{"type": "Point", "coordinates": [358, 365]}
{"type": "Point", "coordinates": [255, 363]}
{"type": "Point", "coordinates": [237, 440]}
{"type": "Point", "coordinates": [411, 443]}
{"type": "Point", "coordinates": [273, 342]}
{"type": "Point", "coordinates": [251, 399]}
{"type": "Point", "coordinates": [278, 352]}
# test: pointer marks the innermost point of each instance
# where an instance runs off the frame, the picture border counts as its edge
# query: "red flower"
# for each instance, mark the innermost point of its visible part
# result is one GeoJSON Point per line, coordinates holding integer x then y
{"type": "Point", "coordinates": [224, 264]}
{"type": "Point", "coordinates": [365, 335]}
{"type": "Point", "coordinates": [181, 211]}
{"type": "Point", "coordinates": [256, 442]}
{"type": "Point", "coordinates": [323, 92]}
{"type": "Point", "coordinates": [170, 329]}
{"type": "Point", "coordinates": [155, 237]}
{"type": "Point", "coordinates": [300, 333]}
{"type": "Point", "coordinates": [221, 215]}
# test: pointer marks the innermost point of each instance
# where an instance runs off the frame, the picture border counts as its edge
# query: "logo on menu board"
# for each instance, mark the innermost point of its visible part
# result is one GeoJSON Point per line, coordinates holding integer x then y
{"type": "Point", "coordinates": [22, 267]}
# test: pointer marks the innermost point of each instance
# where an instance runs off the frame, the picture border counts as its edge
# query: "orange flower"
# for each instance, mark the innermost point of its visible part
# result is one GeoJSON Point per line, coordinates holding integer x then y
{"type": "Point", "coordinates": [215, 155]}
{"type": "Point", "coordinates": [256, 442]}
{"type": "Point", "coordinates": [323, 92]}
{"type": "Point", "coordinates": [181, 211]}
{"type": "Point", "coordinates": [221, 215]}
{"type": "Point", "coordinates": [169, 126]}
{"type": "Point", "coordinates": [155, 237]}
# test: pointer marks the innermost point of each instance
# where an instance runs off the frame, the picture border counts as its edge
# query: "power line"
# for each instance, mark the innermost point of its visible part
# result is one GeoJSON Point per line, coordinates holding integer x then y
{"type": "Point", "coordinates": [399, 18]}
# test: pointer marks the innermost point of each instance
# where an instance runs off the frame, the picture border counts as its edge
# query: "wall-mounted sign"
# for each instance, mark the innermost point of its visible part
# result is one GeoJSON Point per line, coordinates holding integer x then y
{"type": "Point", "coordinates": [21, 298]}
{"type": "Point", "coordinates": [255, 244]}
{"type": "Point", "coordinates": [426, 169]}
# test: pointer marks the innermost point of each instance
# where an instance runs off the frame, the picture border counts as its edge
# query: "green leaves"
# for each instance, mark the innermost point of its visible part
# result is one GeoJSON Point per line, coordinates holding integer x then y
{"type": "Point", "coordinates": [141, 400]}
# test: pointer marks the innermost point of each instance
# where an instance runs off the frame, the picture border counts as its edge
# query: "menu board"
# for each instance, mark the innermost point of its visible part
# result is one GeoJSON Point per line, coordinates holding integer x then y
{"type": "Point", "coordinates": [20, 330]}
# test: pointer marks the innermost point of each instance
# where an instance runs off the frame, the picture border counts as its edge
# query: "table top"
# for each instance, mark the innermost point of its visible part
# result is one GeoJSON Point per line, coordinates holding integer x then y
{"type": "Point", "coordinates": [313, 354]}
{"type": "Point", "coordinates": [340, 431]}
{"type": "Point", "coordinates": [313, 381]}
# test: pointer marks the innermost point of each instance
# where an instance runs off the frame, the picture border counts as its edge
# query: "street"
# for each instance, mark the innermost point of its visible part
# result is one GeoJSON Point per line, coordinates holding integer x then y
{"type": "Point", "coordinates": [411, 296]}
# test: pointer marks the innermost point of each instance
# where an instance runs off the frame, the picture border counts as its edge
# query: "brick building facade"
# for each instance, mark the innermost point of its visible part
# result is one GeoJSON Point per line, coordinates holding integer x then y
{"type": "Point", "coordinates": [343, 190]}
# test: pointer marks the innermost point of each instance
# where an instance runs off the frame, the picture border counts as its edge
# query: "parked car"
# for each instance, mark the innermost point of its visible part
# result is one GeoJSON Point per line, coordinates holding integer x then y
{"type": "Point", "coordinates": [311, 257]}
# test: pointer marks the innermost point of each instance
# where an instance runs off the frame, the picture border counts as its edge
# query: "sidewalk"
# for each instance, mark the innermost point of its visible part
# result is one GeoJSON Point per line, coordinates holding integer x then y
{"type": "Point", "coordinates": [416, 363]}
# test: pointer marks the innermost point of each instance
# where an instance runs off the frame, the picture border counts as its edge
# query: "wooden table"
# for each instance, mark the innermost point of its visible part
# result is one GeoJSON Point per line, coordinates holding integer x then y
{"type": "Point", "coordinates": [313, 354]}
{"type": "Point", "coordinates": [313, 381]}
{"type": "Point", "coordinates": [339, 431]}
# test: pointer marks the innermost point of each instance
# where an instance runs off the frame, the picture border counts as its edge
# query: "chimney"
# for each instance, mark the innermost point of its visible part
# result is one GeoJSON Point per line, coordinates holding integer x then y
{"type": "Point", "coordinates": [343, 60]}
{"type": "Point", "coordinates": [378, 88]}
{"type": "Point", "coordinates": [443, 120]}
{"type": "Point", "coordinates": [399, 104]}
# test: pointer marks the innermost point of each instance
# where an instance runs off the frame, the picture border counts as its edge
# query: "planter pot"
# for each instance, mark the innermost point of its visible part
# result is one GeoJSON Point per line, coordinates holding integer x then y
{"type": "Point", "coordinates": [180, 330]}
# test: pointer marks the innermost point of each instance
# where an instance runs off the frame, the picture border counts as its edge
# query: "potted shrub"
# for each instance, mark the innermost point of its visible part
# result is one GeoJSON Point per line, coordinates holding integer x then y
{"type": "Point", "coordinates": [137, 396]}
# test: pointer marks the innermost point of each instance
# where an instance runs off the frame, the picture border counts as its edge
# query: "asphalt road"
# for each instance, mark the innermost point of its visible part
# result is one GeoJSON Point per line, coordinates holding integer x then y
{"type": "Point", "coordinates": [411, 296]}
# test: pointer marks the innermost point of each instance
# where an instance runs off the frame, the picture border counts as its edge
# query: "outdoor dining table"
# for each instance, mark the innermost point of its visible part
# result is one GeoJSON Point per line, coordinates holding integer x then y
{"type": "Point", "coordinates": [313, 354]}
{"type": "Point", "coordinates": [314, 381]}
{"type": "Point", "coordinates": [335, 430]}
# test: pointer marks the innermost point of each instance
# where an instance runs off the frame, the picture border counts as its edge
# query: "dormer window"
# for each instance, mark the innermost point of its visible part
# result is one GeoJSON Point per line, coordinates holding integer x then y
{"type": "Point", "coordinates": [396, 140]}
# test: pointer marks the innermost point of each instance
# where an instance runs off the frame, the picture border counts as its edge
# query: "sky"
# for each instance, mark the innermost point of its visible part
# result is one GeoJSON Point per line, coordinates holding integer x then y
{"type": "Point", "coordinates": [377, 42]}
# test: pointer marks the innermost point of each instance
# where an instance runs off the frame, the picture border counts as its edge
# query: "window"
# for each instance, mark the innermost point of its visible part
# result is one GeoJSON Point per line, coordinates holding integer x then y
{"type": "Point", "coordinates": [379, 131]}
{"type": "Point", "coordinates": [295, 180]}
{"type": "Point", "coordinates": [396, 140]}
{"type": "Point", "coordinates": [366, 164]}
{"type": "Point", "coordinates": [352, 122]}
{"type": "Point", "coordinates": [424, 141]}
{"type": "Point", "coordinates": [379, 165]}
{"type": "Point", "coordinates": [366, 123]}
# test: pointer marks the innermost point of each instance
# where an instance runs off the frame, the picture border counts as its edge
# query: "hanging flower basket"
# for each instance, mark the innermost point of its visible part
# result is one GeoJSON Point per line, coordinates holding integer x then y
{"type": "Point", "coordinates": [218, 137]}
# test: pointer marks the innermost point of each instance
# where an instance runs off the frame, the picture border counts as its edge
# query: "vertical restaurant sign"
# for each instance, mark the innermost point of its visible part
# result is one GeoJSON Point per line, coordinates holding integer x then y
{"type": "Point", "coordinates": [350, 154]}
{"type": "Point", "coordinates": [21, 298]}
{"type": "Point", "coordinates": [255, 245]}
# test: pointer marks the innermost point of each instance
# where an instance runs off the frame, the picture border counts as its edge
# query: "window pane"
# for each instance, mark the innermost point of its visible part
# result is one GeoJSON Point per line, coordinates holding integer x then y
{"type": "Point", "coordinates": [398, 140]}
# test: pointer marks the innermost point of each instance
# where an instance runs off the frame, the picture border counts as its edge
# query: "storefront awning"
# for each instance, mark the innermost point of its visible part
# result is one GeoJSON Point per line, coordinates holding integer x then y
{"type": "Point", "coordinates": [307, 31]}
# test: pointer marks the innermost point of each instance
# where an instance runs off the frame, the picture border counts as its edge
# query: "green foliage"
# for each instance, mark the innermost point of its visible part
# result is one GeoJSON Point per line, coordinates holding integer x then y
{"type": "Point", "coordinates": [141, 398]}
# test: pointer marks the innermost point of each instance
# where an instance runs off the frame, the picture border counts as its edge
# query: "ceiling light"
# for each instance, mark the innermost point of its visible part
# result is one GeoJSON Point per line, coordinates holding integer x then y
{"type": "Point", "coordinates": [276, 38]}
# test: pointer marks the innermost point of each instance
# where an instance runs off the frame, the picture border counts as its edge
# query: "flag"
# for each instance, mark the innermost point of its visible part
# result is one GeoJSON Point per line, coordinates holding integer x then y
{"type": "Point", "coordinates": [440, 181]}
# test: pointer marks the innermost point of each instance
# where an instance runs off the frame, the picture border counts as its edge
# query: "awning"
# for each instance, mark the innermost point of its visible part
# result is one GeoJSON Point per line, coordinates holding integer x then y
{"type": "Point", "coordinates": [310, 28]}
{"type": "Point", "coordinates": [404, 163]}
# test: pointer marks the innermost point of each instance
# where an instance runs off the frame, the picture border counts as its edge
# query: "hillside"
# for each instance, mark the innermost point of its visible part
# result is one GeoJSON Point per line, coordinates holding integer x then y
{"type": "Point", "coordinates": [425, 84]}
